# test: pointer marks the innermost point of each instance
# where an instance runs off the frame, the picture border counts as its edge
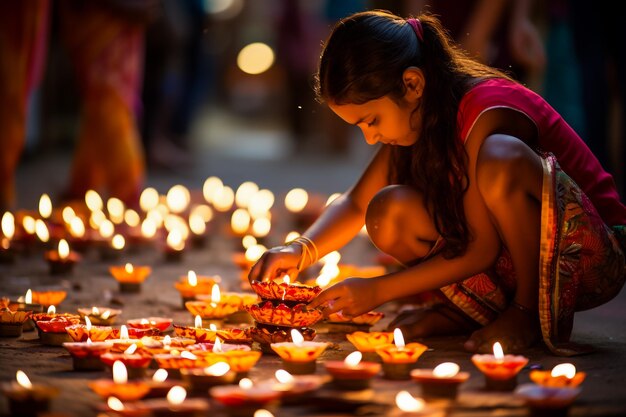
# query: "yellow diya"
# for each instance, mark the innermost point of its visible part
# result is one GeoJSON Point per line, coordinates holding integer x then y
{"type": "Point", "coordinates": [100, 315]}
{"type": "Point", "coordinates": [12, 322]}
{"type": "Point", "coordinates": [283, 315]}
{"type": "Point", "coordinates": [561, 376]}
{"type": "Point", "coordinates": [398, 357]}
{"type": "Point", "coordinates": [235, 335]}
{"type": "Point", "coordinates": [369, 341]}
{"type": "Point", "coordinates": [369, 319]}
{"type": "Point", "coordinates": [49, 298]}
{"type": "Point", "coordinates": [209, 310]}
{"type": "Point", "coordinates": [130, 277]}
{"type": "Point", "coordinates": [192, 284]}
{"type": "Point", "coordinates": [82, 332]}
{"type": "Point", "coordinates": [283, 290]}
{"type": "Point", "coordinates": [299, 356]}
{"type": "Point", "coordinates": [198, 333]}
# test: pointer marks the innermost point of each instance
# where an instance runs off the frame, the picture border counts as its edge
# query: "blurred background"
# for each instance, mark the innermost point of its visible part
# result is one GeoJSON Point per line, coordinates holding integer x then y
{"type": "Point", "coordinates": [224, 87]}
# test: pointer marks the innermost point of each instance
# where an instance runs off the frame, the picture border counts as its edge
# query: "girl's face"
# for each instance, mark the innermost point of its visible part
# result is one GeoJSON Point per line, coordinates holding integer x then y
{"type": "Point", "coordinates": [382, 120]}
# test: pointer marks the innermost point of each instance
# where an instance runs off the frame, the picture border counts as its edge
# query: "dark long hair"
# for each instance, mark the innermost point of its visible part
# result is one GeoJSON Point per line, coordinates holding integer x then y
{"type": "Point", "coordinates": [364, 59]}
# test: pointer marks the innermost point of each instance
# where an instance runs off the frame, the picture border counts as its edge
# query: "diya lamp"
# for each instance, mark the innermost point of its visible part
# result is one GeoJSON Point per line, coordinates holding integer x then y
{"type": "Point", "coordinates": [176, 404]}
{"type": "Point", "coordinates": [500, 370]}
{"type": "Point", "coordinates": [351, 373]}
{"type": "Point", "coordinates": [159, 384]}
{"type": "Point", "coordinates": [7, 227]}
{"type": "Point", "coordinates": [368, 342]}
{"type": "Point", "coordinates": [176, 360]}
{"type": "Point", "coordinates": [159, 323]}
{"type": "Point", "coordinates": [49, 298]}
{"type": "Point", "coordinates": [12, 322]}
{"type": "Point", "coordinates": [119, 387]}
{"type": "Point", "coordinates": [125, 409]}
{"type": "Point", "coordinates": [245, 399]}
{"type": "Point", "coordinates": [135, 365]}
{"type": "Point", "coordinates": [174, 246]}
{"type": "Point", "coordinates": [62, 260]}
{"type": "Point", "coordinates": [546, 401]}
{"type": "Point", "coordinates": [201, 380]}
{"type": "Point", "coordinates": [240, 358]}
{"type": "Point", "coordinates": [410, 406]}
{"type": "Point", "coordinates": [441, 382]}
{"type": "Point", "coordinates": [562, 375]}
{"type": "Point", "coordinates": [198, 333]}
{"type": "Point", "coordinates": [299, 356]}
{"type": "Point", "coordinates": [26, 303]}
{"type": "Point", "coordinates": [130, 277]}
{"type": "Point", "coordinates": [399, 358]}
{"type": "Point", "coordinates": [86, 355]}
{"type": "Point", "coordinates": [295, 389]}
{"type": "Point", "coordinates": [51, 326]}
{"type": "Point", "coordinates": [82, 332]}
{"type": "Point", "coordinates": [100, 316]}
{"type": "Point", "coordinates": [337, 322]}
{"type": "Point", "coordinates": [215, 310]}
{"type": "Point", "coordinates": [192, 285]}
{"type": "Point", "coordinates": [26, 398]}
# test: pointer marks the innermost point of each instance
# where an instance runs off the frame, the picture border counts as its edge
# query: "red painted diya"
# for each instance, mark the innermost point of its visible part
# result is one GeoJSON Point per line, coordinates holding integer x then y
{"type": "Point", "coordinates": [283, 315]}
{"type": "Point", "coordinates": [369, 342]}
{"type": "Point", "coordinates": [199, 334]}
{"type": "Point", "coordinates": [12, 322]}
{"type": "Point", "coordinates": [214, 310]}
{"type": "Point", "coordinates": [159, 323]}
{"type": "Point", "coordinates": [369, 319]}
{"type": "Point", "coordinates": [280, 290]}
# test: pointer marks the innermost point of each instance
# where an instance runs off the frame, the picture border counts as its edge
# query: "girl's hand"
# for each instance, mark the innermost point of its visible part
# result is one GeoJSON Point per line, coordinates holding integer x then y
{"type": "Point", "coordinates": [276, 262]}
{"type": "Point", "coordinates": [352, 296]}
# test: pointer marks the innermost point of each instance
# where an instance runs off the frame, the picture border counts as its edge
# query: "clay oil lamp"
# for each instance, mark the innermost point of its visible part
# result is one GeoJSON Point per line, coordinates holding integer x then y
{"type": "Point", "coordinates": [399, 358]}
{"type": "Point", "coordinates": [112, 249]}
{"type": "Point", "coordinates": [26, 303]}
{"type": "Point", "coordinates": [294, 389]}
{"type": "Point", "coordinates": [174, 361]}
{"type": "Point", "coordinates": [198, 333]}
{"type": "Point", "coordinates": [240, 358]}
{"type": "Point", "coordinates": [245, 399]}
{"type": "Point", "coordinates": [299, 356]}
{"type": "Point", "coordinates": [352, 374]}
{"type": "Point", "coordinates": [159, 384]}
{"type": "Point", "coordinates": [441, 382]}
{"type": "Point", "coordinates": [500, 370]}
{"type": "Point", "coordinates": [135, 364]}
{"type": "Point", "coordinates": [49, 298]}
{"type": "Point", "coordinates": [215, 310]}
{"type": "Point", "coordinates": [562, 375]}
{"type": "Point", "coordinates": [201, 380]}
{"type": "Point", "coordinates": [337, 322]}
{"type": "Point", "coordinates": [235, 336]}
{"type": "Point", "coordinates": [368, 342]}
{"type": "Point", "coordinates": [544, 401]}
{"type": "Point", "coordinates": [62, 260]}
{"type": "Point", "coordinates": [120, 387]}
{"type": "Point", "coordinates": [410, 406]}
{"type": "Point", "coordinates": [191, 285]}
{"type": "Point", "coordinates": [100, 316]}
{"type": "Point", "coordinates": [176, 404]}
{"type": "Point", "coordinates": [12, 322]}
{"type": "Point", "coordinates": [82, 332]}
{"type": "Point", "coordinates": [160, 345]}
{"type": "Point", "coordinates": [159, 323]}
{"type": "Point", "coordinates": [86, 355]}
{"type": "Point", "coordinates": [235, 298]}
{"type": "Point", "coordinates": [51, 326]}
{"type": "Point", "coordinates": [265, 335]}
{"type": "Point", "coordinates": [7, 227]}
{"type": "Point", "coordinates": [26, 398]}
{"type": "Point", "coordinates": [285, 291]}
{"type": "Point", "coordinates": [130, 277]}
{"type": "Point", "coordinates": [121, 339]}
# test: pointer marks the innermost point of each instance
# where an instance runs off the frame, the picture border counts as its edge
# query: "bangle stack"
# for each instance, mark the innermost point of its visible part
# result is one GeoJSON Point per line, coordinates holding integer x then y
{"type": "Point", "coordinates": [309, 251]}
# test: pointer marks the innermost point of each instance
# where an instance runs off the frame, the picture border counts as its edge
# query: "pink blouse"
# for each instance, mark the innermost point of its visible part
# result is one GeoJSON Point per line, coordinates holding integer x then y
{"type": "Point", "coordinates": [555, 136]}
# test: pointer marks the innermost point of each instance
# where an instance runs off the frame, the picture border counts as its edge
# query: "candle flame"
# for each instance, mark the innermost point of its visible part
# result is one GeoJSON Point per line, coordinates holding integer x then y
{"type": "Point", "coordinates": [64, 249]}
{"type": "Point", "coordinates": [198, 321]}
{"type": "Point", "coordinates": [296, 337]}
{"type": "Point", "coordinates": [192, 279]}
{"type": "Point", "coordinates": [215, 294]}
{"type": "Point", "coordinates": [52, 310]}
{"type": "Point", "coordinates": [167, 340]}
{"type": "Point", "coordinates": [29, 224]}
{"type": "Point", "coordinates": [148, 199]}
{"type": "Point", "coordinates": [77, 227]}
{"type": "Point", "coordinates": [284, 377]}
{"type": "Point", "coordinates": [118, 242]}
{"type": "Point", "coordinates": [28, 299]}
{"type": "Point", "coordinates": [148, 228]}
{"type": "Point", "coordinates": [291, 236]}
{"type": "Point", "coordinates": [45, 206]}
{"type": "Point", "coordinates": [245, 192]}
{"type": "Point", "coordinates": [261, 227]}
{"type": "Point", "coordinates": [353, 359]}
{"type": "Point", "coordinates": [131, 217]}
{"type": "Point", "coordinates": [408, 403]}
{"type": "Point", "coordinates": [95, 311]}
{"type": "Point", "coordinates": [176, 395]}
{"type": "Point", "coordinates": [131, 349]}
{"type": "Point", "coordinates": [120, 374]}
{"type": "Point", "coordinates": [567, 370]}
{"type": "Point", "coordinates": [42, 230]}
{"type": "Point", "coordinates": [287, 279]}
{"type": "Point", "coordinates": [498, 353]}
{"type": "Point", "coordinates": [211, 188]}
{"type": "Point", "coordinates": [245, 383]}
{"type": "Point", "coordinates": [87, 323]}
{"type": "Point", "coordinates": [8, 225]}
{"type": "Point", "coordinates": [188, 355]}
{"type": "Point", "coordinates": [223, 198]}
{"type": "Point", "coordinates": [296, 200]}
{"type": "Point", "coordinates": [124, 332]}
{"type": "Point", "coordinates": [261, 412]}
{"type": "Point", "coordinates": [398, 338]}
{"type": "Point", "coordinates": [160, 375]}
{"type": "Point", "coordinates": [446, 370]}
{"type": "Point", "coordinates": [105, 314]}
{"type": "Point", "coordinates": [23, 380]}
{"type": "Point", "coordinates": [115, 404]}
{"type": "Point", "coordinates": [129, 268]}
{"type": "Point", "coordinates": [93, 200]}
{"type": "Point", "coordinates": [197, 224]}
{"type": "Point", "coordinates": [212, 327]}
{"type": "Point", "coordinates": [175, 240]}
{"type": "Point", "coordinates": [144, 321]}
{"type": "Point", "coordinates": [254, 252]}
{"type": "Point", "coordinates": [106, 229]}
{"type": "Point", "coordinates": [115, 207]}
{"type": "Point", "coordinates": [89, 342]}
{"type": "Point", "coordinates": [178, 198]}
{"type": "Point", "coordinates": [217, 347]}
{"type": "Point", "coordinates": [240, 221]}
{"type": "Point", "coordinates": [217, 369]}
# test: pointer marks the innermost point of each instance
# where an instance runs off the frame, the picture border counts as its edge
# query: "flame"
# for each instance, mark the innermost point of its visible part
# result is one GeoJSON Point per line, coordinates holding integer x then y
{"type": "Point", "coordinates": [284, 377]}
{"type": "Point", "coordinates": [106, 229]}
{"type": "Point", "coordinates": [247, 241]}
{"type": "Point", "coordinates": [245, 383]}
{"type": "Point", "coordinates": [124, 332]}
{"type": "Point", "coordinates": [178, 198]}
{"type": "Point", "coordinates": [567, 370]}
{"type": "Point", "coordinates": [254, 252]}
{"type": "Point", "coordinates": [215, 294]}
{"type": "Point", "coordinates": [23, 380]}
{"type": "Point", "coordinates": [105, 314]}
{"type": "Point", "coordinates": [115, 207]}
{"type": "Point", "coordinates": [148, 228]}
{"type": "Point", "coordinates": [261, 412]}
{"type": "Point", "coordinates": [77, 227]}
{"type": "Point", "coordinates": [446, 370]}
{"type": "Point", "coordinates": [197, 224]}
{"type": "Point", "coordinates": [131, 217]}
{"type": "Point", "coordinates": [118, 242]}
{"type": "Point", "coordinates": [192, 279]}
{"type": "Point", "coordinates": [175, 240]}
{"type": "Point", "coordinates": [261, 227]}
{"type": "Point", "coordinates": [42, 230]}
{"type": "Point", "coordinates": [8, 225]}
{"type": "Point", "coordinates": [87, 323]}
{"type": "Point", "coordinates": [353, 359]}
{"type": "Point", "coordinates": [197, 322]}
{"type": "Point", "coordinates": [212, 327]}
{"type": "Point", "coordinates": [188, 355]}
{"type": "Point", "coordinates": [296, 337]}
{"type": "Point", "coordinates": [398, 338]}
{"type": "Point", "coordinates": [212, 188]}
{"type": "Point", "coordinates": [52, 310]}
{"type": "Point", "coordinates": [498, 353]}
{"type": "Point", "coordinates": [160, 375]}
{"type": "Point", "coordinates": [408, 403]}
{"type": "Point", "coordinates": [93, 200]}
{"type": "Point", "coordinates": [217, 369]}
{"type": "Point", "coordinates": [291, 236]}
{"type": "Point", "coordinates": [45, 206]}
{"type": "Point", "coordinates": [261, 203]}
{"type": "Point", "coordinates": [296, 200]}
{"type": "Point", "coordinates": [68, 214]}
{"type": "Point", "coordinates": [89, 342]}
{"type": "Point", "coordinates": [176, 395]}
{"type": "Point", "coordinates": [217, 347]}
{"type": "Point", "coordinates": [95, 311]}
{"type": "Point", "coordinates": [167, 340]}
{"type": "Point", "coordinates": [245, 192]}
{"type": "Point", "coordinates": [148, 199]}
{"type": "Point", "coordinates": [129, 268]}
{"type": "Point", "coordinates": [28, 299]}
{"type": "Point", "coordinates": [240, 221]}
{"type": "Point", "coordinates": [115, 404]}
{"type": "Point", "coordinates": [287, 279]}
{"type": "Point", "coordinates": [131, 349]}
{"type": "Point", "coordinates": [64, 249]}
{"type": "Point", "coordinates": [29, 224]}
{"type": "Point", "coordinates": [120, 374]}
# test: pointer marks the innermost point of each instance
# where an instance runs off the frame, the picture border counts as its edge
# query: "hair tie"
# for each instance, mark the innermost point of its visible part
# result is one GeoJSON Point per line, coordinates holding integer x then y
{"type": "Point", "coordinates": [417, 27]}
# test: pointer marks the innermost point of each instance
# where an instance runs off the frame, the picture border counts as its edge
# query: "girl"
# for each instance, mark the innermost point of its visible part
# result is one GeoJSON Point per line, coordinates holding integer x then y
{"type": "Point", "coordinates": [465, 191]}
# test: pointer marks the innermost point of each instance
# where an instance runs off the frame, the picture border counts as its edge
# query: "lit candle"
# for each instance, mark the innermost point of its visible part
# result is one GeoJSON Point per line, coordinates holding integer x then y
{"type": "Point", "coordinates": [352, 373]}
{"type": "Point", "coordinates": [285, 291]}
{"type": "Point", "coordinates": [134, 363]}
{"type": "Point", "coordinates": [120, 387]}
{"type": "Point", "coordinates": [51, 326]}
{"type": "Point", "coordinates": [198, 226]}
{"type": "Point", "coordinates": [299, 356]}
{"type": "Point", "coordinates": [293, 390]}
{"type": "Point", "coordinates": [191, 285]}
{"type": "Point", "coordinates": [130, 277]}
{"type": "Point", "coordinates": [500, 370]}
{"type": "Point", "coordinates": [62, 260]}
{"type": "Point", "coordinates": [100, 316]}
{"type": "Point", "coordinates": [202, 379]}
{"type": "Point", "coordinates": [548, 401]}
{"type": "Point", "coordinates": [441, 382]}
{"type": "Point", "coordinates": [399, 358]}
{"type": "Point", "coordinates": [176, 404]}
{"type": "Point", "coordinates": [86, 355]}
{"type": "Point", "coordinates": [175, 245]}
{"type": "Point", "coordinates": [49, 297]}
{"type": "Point", "coordinates": [26, 398]}
{"type": "Point", "coordinates": [368, 342]}
{"type": "Point", "coordinates": [216, 309]}
{"type": "Point", "coordinates": [244, 399]}
{"type": "Point", "coordinates": [25, 303]}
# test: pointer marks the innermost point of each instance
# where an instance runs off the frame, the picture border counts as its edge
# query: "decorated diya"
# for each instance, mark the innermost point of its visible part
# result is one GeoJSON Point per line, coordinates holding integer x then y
{"type": "Point", "coordinates": [500, 370]}
{"type": "Point", "coordinates": [49, 298]}
{"type": "Point", "coordinates": [119, 387]}
{"type": "Point", "coordinates": [135, 363]}
{"type": "Point", "coordinates": [82, 332]}
{"type": "Point", "coordinates": [51, 327]}
{"type": "Point", "coordinates": [366, 319]}
{"type": "Point", "coordinates": [562, 375]}
{"type": "Point", "coordinates": [202, 379]}
{"type": "Point", "coordinates": [86, 355]}
{"type": "Point", "coordinates": [285, 291]}
{"type": "Point", "coordinates": [12, 322]}
{"type": "Point", "coordinates": [26, 398]}
{"type": "Point", "coordinates": [548, 401]}
{"type": "Point", "coordinates": [368, 342]}
{"type": "Point", "coordinates": [299, 356]}
{"type": "Point", "coordinates": [192, 285]}
{"type": "Point", "coordinates": [159, 323]}
{"type": "Point", "coordinates": [265, 335]}
{"type": "Point", "coordinates": [442, 381]}
{"type": "Point", "coordinates": [398, 357]}
{"type": "Point", "coordinates": [352, 373]}
{"type": "Point", "coordinates": [130, 277]}
{"type": "Point", "coordinates": [284, 315]}
{"type": "Point", "coordinates": [104, 316]}
{"type": "Point", "coordinates": [211, 311]}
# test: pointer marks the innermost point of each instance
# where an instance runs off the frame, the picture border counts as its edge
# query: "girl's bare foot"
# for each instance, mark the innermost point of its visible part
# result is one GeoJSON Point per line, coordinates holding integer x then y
{"type": "Point", "coordinates": [515, 329]}
{"type": "Point", "coordinates": [437, 320]}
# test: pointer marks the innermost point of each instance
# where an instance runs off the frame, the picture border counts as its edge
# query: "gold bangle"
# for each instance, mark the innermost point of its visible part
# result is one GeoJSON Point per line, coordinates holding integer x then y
{"type": "Point", "coordinates": [308, 250]}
